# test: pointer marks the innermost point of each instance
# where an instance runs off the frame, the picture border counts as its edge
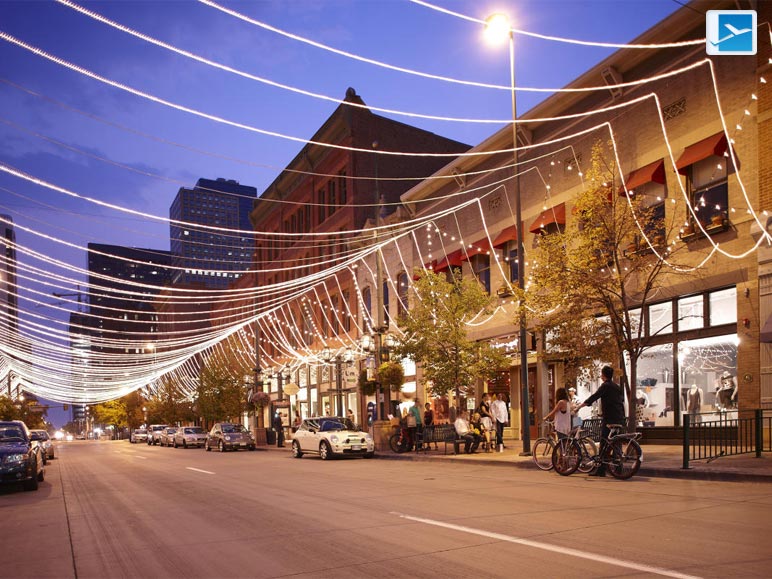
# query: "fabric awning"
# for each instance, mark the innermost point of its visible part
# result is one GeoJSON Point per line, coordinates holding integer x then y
{"type": "Point", "coordinates": [451, 260]}
{"type": "Point", "coordinates": [651, 173]}
{"type": "Point", "coordinates": [713, 145]}
{"type": "Point", "coordinates": [556, 215]}
{"type": "Point", "coordinates": [507, 235]}
{"type": "Point", "coordinates": [483, 246]}
{"type": "Point", "coordinates": [766, 332]}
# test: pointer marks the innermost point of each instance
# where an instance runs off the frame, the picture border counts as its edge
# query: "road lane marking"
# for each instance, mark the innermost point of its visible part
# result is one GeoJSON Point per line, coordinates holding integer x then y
{"type": "Point", "coordinates": [553, 548]}
{"type": "Point", "coordinates": [142, 457]}
{"type": "Point", "coordinates": [199, 470]}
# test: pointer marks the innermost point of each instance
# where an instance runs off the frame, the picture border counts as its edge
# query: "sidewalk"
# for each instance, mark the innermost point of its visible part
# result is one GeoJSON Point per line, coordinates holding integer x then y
{"type": "Point", "coordinates": [658, 461]}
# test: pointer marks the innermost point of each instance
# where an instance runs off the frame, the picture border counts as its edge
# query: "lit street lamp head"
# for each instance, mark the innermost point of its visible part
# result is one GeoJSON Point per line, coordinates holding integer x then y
{"type": "Point", "coordinates": [497, 28]}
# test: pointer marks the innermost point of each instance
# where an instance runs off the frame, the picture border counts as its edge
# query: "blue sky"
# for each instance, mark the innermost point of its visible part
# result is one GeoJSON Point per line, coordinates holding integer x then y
{"type": "Point", "coordinates": [38, 97]}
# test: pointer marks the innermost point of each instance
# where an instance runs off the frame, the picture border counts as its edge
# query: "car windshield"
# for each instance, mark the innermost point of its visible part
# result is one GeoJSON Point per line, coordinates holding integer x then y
{"type": "Point", "coordinates": [336, 423]}
{"type": "Point", "coordinates": [139, 431]}
{"type": "Point", "coordinates": [195, 430]}
{"type": "Point", "coordinates": [42, 434]}
{"type": "Point", "coordinates": [11, 434]}
{"type": "Point", "coordinates": [233, 428]}
{"type": "Point", "coordinates": [171, 430]}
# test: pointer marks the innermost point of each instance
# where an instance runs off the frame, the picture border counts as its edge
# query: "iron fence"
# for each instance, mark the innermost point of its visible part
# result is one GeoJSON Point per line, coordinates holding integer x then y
{"type": "Point", "coordinates": [732, 433]}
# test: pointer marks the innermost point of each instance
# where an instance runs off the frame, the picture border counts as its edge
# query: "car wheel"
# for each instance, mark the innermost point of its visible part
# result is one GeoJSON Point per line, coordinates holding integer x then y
{"type": "Point", "coordinates": [184, 444]}
{"type": "Point", "coordinates": [206, 447]}
{"type": "Point", "coordinates": [325, 452]}
{"type": "Point", "coordinates": [296, 452]}
{"type": "Point", "coordinates": [221, 446]}
{"type": "Point", "coordinates": [32, 484]}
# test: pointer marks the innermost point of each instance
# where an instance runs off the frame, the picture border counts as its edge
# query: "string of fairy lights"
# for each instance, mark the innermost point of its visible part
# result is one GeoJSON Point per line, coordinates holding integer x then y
{"type": "Point", "coordinates": [58, 369]}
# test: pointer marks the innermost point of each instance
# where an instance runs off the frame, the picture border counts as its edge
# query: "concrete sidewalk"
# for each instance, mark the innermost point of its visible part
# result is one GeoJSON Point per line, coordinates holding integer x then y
{"type": "Point", "coordinates": [658, 461]}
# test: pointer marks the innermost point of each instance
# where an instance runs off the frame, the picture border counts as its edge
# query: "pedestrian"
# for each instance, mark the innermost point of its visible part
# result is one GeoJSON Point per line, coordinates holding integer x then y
{"type": "Point", "coordinates": [413, 420]}
{"type": "Point", "coordinates": [561, 413]}
{"type": "Point", "coordinates": [487, 420]}
{"type": "Point", "coordinates": [351, 417]}
{"type": "Point", "coordinates": [297, 423]}
{"type": "Point", "coordinates": [612, 399]}
{"type": "Point", "coordinates": [501, 415]}
{"type": "Point", "coordinates": [464, 430]}
{"type": "Point", "coordinates": [278, 426]}
{"type": "Point", "coordinates": [429, 420]}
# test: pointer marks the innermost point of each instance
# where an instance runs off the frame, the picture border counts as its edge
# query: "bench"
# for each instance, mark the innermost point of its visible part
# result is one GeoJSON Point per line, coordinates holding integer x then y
{"type": "Point", "coordinates": [444, 433]}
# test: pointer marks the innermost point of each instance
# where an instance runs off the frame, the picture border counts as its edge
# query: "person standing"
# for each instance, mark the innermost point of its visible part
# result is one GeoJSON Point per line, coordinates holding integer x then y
{"type": "Point", "coordinates": [429, 419]}
{"type": "Point", "coordinates": [501, 415]}
{"type": "Point", "coordinates": [278, 426]}
{"type": "Point", "coordinates": [612, 399]}
{"type": "Point", "coordinates": [413, 425]}
{"type": "Point", "coordinates": [561, 413]}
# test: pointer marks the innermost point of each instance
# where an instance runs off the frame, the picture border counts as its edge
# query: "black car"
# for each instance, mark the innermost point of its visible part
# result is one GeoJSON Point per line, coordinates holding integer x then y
{"type": "Point", "coordinates": [21, 459]}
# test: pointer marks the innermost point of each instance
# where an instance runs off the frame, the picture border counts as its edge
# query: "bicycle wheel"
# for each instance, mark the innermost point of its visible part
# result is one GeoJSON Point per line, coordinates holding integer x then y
{"type": "Point", "coordinates": [625, 458]}
{"type": "Point", "coordinates": [589, 452]}
{"type": "Point", "coordinates": [394, 443]}
{"type": "Point", "coordinates": [542, 453]}
{"type": "Point", "coordinates": [566, 456]}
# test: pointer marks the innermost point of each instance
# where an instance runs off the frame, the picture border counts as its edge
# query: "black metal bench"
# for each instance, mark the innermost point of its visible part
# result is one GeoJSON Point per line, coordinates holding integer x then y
{"type": "Point", "coordinates": [444, 433]}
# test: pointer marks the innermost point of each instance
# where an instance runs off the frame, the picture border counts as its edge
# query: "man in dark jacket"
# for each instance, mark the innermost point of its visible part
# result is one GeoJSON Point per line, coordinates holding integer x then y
{"type": "Point", "coordinates": [612, 399]}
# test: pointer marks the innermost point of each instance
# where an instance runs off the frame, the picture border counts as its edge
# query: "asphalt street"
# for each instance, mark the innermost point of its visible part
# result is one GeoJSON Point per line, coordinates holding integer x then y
{"type": "Point", "coordinates": [111, 509]}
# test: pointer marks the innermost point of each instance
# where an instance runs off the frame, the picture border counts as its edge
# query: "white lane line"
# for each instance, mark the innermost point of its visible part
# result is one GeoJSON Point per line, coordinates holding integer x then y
{"type": "Point", "coordinates": [552, 548]}
{"type": "Point", "coordinates": [142, 457]}
{"type": "Point", "coordinates": [199, 470]}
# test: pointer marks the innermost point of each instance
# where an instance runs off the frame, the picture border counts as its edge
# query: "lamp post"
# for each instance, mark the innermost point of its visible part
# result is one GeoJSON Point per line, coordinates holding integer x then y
{"type": "Point", "coordinates": [144, 414]}
{"type": "Point", "coordinates": [497, 27]}
{"type": "Point", "coordinates": [338, 360]}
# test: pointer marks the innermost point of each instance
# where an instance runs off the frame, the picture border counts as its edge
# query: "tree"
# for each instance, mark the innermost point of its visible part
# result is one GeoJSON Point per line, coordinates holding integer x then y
{"type": "Point", "coordinates": [220, 394]}
{"type": "Point", "coordinates": [436, 333]}
{"type": "Point", "coordinates": [589, 282]}
{"type": "Point", "coordinates": [27, 410]}
{"type": "Point", "coordinates": [112, 412]}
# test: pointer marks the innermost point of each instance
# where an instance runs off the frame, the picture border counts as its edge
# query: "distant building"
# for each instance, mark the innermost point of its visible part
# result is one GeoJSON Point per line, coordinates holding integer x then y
{"type": "Point", "coordinates": [9, 315]}
{"type": "Point", "coordinates": [212, 257]}
{"type": "Point", "coordinates": [122, 285]}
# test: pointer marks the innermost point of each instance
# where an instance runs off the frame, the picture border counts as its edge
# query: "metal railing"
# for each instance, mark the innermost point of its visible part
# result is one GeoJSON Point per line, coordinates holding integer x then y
{"type": "Point", "coordinates": [732, 433]}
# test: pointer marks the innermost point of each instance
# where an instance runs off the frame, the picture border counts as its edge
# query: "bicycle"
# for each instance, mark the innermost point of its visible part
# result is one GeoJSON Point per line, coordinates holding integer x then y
{"type": "Point", "coordinates": [621, 454]}
{"type": "Point", "coordinates": [544, 446]}
{"type": "Point", "coordinates": [399, 442]}
{"type": "Point", "coordinates": [566, 459]}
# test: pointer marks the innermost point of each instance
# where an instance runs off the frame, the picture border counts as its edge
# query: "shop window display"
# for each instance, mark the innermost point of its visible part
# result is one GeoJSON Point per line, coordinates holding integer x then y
{"type": "Point", "coordinates": [708, 370]}
{"type": "Point", "coordinates": [654, 392]}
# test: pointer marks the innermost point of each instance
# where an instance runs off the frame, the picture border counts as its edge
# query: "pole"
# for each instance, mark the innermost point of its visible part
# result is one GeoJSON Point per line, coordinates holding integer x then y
{"type": "Point", "coordinates": [378, 294]}
{"type": "Point", "coordinates": [525, 415]}
{"type": "Point", "coordinates": [339, 383]}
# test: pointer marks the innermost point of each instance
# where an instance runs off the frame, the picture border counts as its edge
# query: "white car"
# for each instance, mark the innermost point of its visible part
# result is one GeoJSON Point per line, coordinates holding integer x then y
{"type": "Point", "coordinates": [330, 436]}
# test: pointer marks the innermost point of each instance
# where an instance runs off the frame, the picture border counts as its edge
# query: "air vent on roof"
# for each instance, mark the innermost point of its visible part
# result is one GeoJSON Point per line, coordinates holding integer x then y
{"type": "Point", "coordinates": [675, 109]}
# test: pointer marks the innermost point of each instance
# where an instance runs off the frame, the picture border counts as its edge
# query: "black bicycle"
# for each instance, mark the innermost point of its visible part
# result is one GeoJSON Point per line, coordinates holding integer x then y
{"type": "Point", "coordinates": [621, 454]}
{"type": "Point", "coordinates": [399, 442]}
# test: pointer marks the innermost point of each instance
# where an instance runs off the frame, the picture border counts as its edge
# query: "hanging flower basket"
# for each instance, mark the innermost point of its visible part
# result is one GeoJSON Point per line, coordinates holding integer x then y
{"type": "Point", "coordinates": [261, 399]}
{"type": "Point", "coordinates": [392, 375]}
{"type": "Point", "coordinates": [367, 387]}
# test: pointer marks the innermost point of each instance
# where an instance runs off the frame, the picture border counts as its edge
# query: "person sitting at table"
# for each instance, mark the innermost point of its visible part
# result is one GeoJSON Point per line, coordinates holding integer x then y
{"type": "Point", "coordinates": [464, 430]}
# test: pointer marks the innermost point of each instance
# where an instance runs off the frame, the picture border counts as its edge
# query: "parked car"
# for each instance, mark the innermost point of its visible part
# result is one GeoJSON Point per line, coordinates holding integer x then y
{"type": "Point", "coordinates": [225, 436]}
{"type": "Point", "coordinates": [45, 441]}
{"type": "Point", "coordinates": [166, 437]}
{"type": "Point", "coordinates": [21, 459]}
{"type": "Point", "coordinates": [189, 436]}
{"type": "Point", "coordinates": [329, 436]}
{"type": "Point", "coordinates": [154, 433]}
{"type": "Point", "coordinates": [138, 435]}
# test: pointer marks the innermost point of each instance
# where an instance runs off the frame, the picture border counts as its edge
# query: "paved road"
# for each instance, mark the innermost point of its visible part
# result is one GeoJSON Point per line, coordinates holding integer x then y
{"type": "Point", "coordinates": [111, 509]}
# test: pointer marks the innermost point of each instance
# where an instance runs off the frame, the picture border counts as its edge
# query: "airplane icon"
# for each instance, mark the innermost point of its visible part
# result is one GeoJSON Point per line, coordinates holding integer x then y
{"type": "Point", "coordinates": [734, 32]}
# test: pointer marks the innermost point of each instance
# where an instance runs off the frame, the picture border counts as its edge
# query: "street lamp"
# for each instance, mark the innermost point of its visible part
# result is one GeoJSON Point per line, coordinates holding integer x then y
{"type": "Point", "coordinates": [498, 27]}
{"type": "Point", "coordinates": [144, 414]}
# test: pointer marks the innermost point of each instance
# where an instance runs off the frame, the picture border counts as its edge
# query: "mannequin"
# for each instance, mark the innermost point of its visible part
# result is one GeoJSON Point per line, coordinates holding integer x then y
{"type": "Point", "coordinates": [726, 392]}
{"type": "Point", "coordinates": [694, 397]}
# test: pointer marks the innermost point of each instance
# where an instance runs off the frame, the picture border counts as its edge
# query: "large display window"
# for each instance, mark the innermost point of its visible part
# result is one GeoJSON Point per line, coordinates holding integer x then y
{"type": "Point", "coordinates": [708, 370]}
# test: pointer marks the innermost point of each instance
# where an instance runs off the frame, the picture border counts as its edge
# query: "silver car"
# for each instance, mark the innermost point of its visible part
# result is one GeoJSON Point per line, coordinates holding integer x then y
{"type": "Point", "coordinates": [45, 442]}
{"type": "Point", "coordinates": [138, 435]}
{"type": "Point", "coordinates": [226, 436]}
{"type": "Point", "coordinates": [189, 436]}
{"type": "Point", "coordinates": [154, 433]}
{"type": "Point", "coordinates": [166, 437]}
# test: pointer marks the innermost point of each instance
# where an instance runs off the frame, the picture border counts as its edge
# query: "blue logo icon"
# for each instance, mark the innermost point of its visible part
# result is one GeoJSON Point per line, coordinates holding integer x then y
{"type": "Point", "coordinates": [730, 32]}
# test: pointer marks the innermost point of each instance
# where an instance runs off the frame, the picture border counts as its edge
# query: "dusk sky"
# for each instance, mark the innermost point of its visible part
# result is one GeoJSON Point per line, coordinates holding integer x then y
{"type": "Point", "coordinates": [98, 141]}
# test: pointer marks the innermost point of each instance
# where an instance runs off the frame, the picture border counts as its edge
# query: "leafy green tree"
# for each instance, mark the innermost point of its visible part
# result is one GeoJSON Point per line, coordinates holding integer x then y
{"type": "Point", "coordinates": [436, 333]}
{"type": "Point", "coordinates": [588, 281]}
{"type": "Point", "coordinates": [220, 395]}
{"type": "Point", "coordinates": [27, 410]}
{"type": "Point", "coordinates": [112, 412]}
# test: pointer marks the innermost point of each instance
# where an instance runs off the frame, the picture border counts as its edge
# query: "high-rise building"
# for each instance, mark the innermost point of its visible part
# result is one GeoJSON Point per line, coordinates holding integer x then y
{"type": "Point", "coordinates": [208, 234]}
{"type": "Point", "coordinates": [9, 321]}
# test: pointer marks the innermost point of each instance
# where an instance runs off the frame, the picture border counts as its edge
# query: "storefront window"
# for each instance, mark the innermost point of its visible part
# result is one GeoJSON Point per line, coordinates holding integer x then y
{"type": "Point", "coordinates": [690, 314]}
{"type": "Point", "coordinates": [708, 370]}
{"type": "Point", "coordinates": [654, 392]}
{"type": "Point", "coordinates": [723, 307]}
{"type": "Point", "coordinates": [661, 319]}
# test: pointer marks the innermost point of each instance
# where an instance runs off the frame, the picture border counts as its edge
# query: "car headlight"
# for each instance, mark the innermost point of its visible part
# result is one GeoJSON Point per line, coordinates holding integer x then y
{"type": "Point", "coordinates": [368, 438]}
{"type": "Point", "coordinates": [334, 438]}
{"type": "Point", "coordinates": [228, 438]}
{"type": "Point", "coordinates": [15, 458]}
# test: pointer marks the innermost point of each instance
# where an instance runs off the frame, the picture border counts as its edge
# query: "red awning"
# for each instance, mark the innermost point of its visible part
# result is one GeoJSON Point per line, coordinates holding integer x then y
{"type": "Point", "coordinates": [651, 173]}
{"type": "Point", "coordinates": [482, 246]}
{"type": "Point", "coordinates": [451, 260]}
{"type": "Point", "coordinates": [713, 145]}
{"type": "Point", "coordinates": [549, 216]}
{"type": "Point", "coordinates": [509, 234]}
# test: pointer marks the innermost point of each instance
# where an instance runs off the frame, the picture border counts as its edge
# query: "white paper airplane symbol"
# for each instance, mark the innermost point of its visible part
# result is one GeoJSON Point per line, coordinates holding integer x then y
{"type": "Point", "coordinates": [734, 32]}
